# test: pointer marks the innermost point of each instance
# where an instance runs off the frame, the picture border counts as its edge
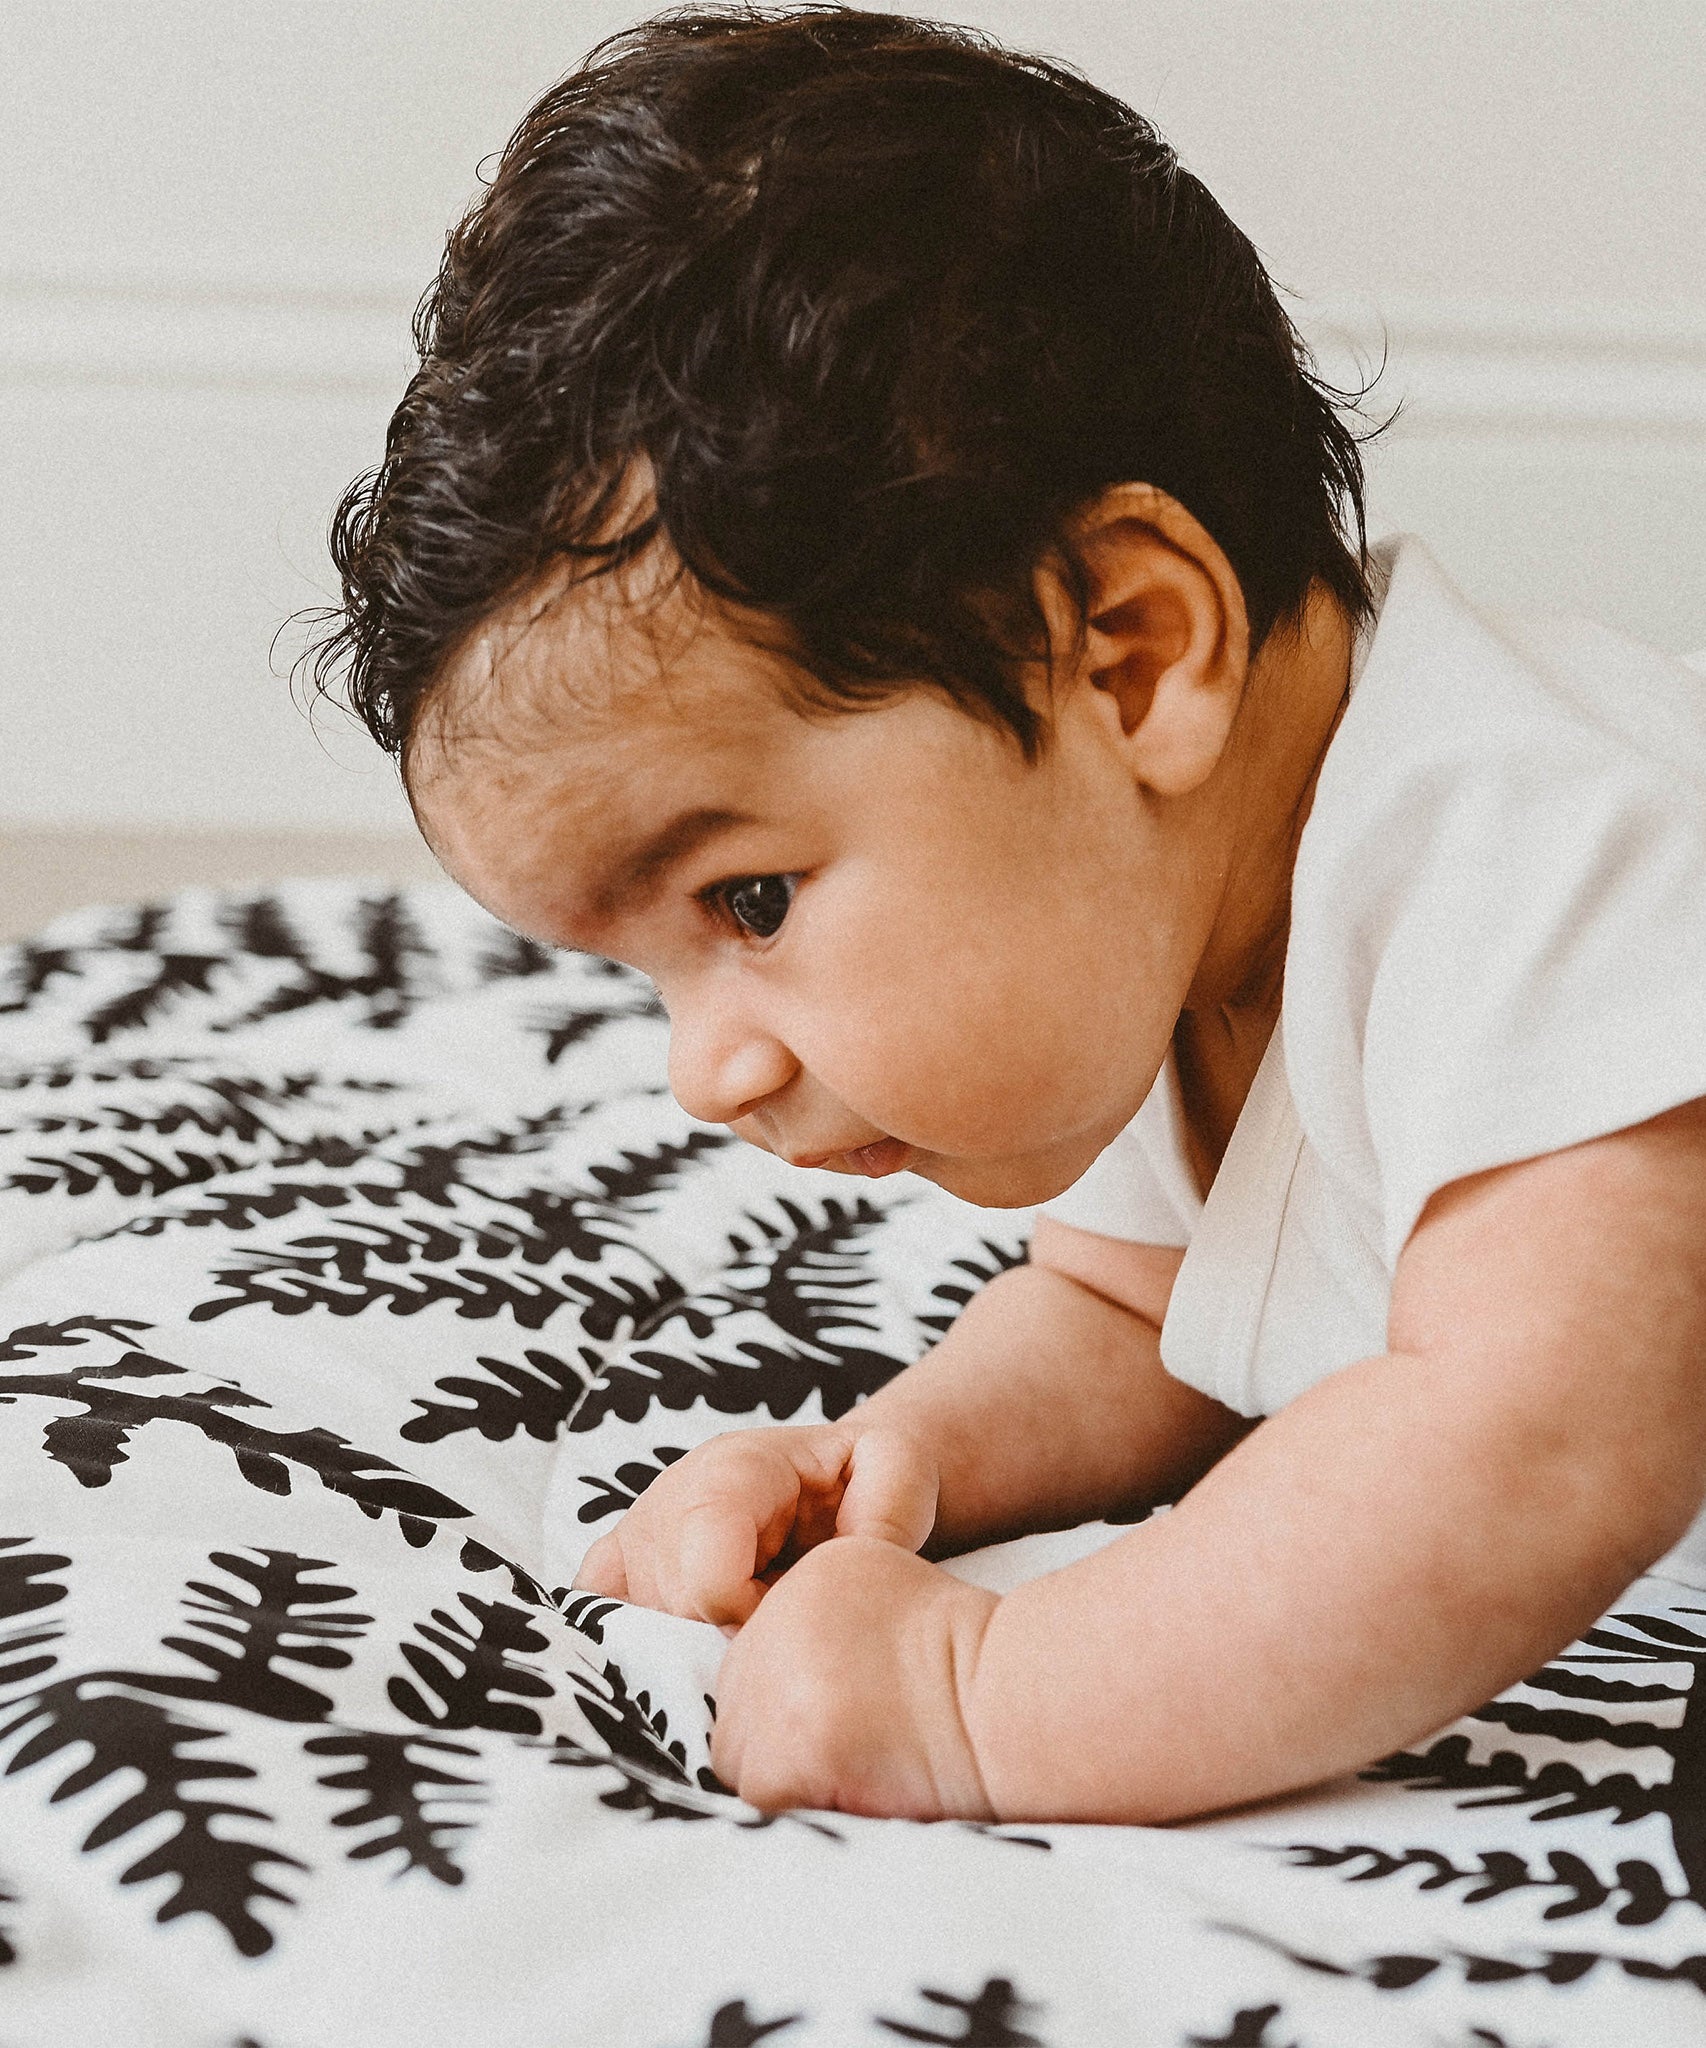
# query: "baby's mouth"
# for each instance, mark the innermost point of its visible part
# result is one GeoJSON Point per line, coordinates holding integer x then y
{"type": "Point", "coordinates": [882, 1156]}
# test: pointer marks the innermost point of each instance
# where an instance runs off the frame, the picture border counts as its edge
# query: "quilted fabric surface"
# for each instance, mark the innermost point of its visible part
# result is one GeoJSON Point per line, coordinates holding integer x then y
{"type": "Point", "coordinates": [356, 1270]}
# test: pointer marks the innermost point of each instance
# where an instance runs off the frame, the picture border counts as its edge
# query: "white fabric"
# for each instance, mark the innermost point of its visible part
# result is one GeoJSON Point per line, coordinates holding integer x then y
{"type": "Point", "coordinates": [1498, 949]}
{"type": "Point", "coordinates": [1142, 1187]}
{"type": "Point", "coordinates": [356, 1270]}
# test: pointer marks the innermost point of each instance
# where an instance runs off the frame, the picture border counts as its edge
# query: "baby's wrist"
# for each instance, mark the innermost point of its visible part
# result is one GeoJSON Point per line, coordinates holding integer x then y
{"type": "Point", "coordinates": [973, 1609]}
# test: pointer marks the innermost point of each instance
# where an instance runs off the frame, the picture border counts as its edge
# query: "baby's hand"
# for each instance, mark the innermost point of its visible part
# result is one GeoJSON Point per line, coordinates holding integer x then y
{"type": "Point", "coordinates": [712, 1531]}
{"type": "Point", "coordinates": [848, 1689]}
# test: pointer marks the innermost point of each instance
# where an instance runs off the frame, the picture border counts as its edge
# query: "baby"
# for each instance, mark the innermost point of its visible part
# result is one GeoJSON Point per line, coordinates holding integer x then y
{"type": "Point", "coordinates": [866, 548]}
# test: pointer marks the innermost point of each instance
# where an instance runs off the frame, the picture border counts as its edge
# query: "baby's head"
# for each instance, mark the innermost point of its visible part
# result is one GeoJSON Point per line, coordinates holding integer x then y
{"type": "Point", "coordinates": [854, 486]}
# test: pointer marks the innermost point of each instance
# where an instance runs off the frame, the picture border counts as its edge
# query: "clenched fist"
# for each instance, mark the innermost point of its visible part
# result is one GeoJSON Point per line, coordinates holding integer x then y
{"type": "Point", "coordinates": [852, 1687]}
{"type": "Point", "coordinates": [711, 1533]}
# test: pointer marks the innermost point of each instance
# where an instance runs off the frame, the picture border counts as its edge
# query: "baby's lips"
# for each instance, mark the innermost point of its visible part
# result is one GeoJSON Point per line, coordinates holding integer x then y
{"type": "Point", "coordinates": [883, 1156]}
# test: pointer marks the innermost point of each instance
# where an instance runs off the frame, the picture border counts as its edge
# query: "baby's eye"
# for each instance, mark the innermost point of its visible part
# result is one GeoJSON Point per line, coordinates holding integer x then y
{"type": "Point", "coordinates": [758, 903]}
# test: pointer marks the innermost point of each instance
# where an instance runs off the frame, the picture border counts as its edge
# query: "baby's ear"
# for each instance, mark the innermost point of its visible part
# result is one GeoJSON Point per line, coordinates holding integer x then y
{"type": "Point", "coordinates": [1165, 636]}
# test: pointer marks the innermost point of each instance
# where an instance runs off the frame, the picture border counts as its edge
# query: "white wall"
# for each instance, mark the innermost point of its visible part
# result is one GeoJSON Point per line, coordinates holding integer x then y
{"type": "Point", "coordinates": [215, 218]}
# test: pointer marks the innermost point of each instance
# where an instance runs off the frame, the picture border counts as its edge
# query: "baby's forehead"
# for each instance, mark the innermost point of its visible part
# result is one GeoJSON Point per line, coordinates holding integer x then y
{"type": "Point", "coordinates": [638, 653]}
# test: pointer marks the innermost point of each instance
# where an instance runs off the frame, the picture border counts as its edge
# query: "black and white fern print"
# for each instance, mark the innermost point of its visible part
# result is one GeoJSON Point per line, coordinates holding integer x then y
{"type": "Point", "coordinates": [356, 1272]}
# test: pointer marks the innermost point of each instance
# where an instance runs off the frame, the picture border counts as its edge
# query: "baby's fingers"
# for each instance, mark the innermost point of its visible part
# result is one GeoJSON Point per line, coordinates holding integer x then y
{"type": "Point", "coordinates": [891, 1490]}
{"type": "Point", "coordinates": [603, 1570]}
{"type": "Point", "coordinates": [717, 1555]}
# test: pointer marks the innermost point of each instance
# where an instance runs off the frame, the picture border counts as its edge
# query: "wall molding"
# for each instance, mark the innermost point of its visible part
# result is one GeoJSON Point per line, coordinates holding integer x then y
{"type": "Point", "coordinates": [172, 327]}
{"type": "Point", "coordinates": [295, 324]}
{"type": "Point", "coordinates": [1477, 366]}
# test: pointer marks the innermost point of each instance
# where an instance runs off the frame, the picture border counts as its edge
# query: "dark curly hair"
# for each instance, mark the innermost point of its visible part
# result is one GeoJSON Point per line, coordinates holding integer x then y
{"type": "Point", "coordinates": [882, 304]}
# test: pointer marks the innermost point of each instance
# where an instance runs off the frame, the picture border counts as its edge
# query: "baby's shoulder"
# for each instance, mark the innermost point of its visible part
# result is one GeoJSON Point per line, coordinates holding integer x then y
{"type": "Point", "coordinates": [1480, 743]}
{"type": "Point", "coordinates": [1485, 694]}
{"type": "Point", "coordinates": [1498, 935]}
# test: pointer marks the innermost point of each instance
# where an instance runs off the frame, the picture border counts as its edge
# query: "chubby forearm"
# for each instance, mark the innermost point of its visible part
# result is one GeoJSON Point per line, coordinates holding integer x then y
{"type": "Point", "coordinates": [1377, 1559]}
{"type": "Point", "coordinates": [1390, 1550]}
{"type": "Point", "coordinates": [1046, 1405]}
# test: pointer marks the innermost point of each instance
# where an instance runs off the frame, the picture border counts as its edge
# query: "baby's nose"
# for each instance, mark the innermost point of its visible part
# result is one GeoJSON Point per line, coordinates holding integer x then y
{"type": "Point", "coordinates": [722, 1070]}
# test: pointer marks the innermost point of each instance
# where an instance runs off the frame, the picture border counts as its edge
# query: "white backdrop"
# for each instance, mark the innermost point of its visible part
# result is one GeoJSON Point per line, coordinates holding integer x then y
{"type": "Point", "coordinates": [215, 218]}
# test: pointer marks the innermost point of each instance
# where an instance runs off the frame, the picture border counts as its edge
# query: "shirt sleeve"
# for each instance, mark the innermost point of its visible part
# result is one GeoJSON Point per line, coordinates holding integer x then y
{"type": "Point", "coordinates": [1500, 932]}
{"type": "Point", "coordinates": [1546, 985]}
{"type": "Point", "coordinates": [1141, 1187]}
{"type": "Point", "coordinates": [1498, 943]}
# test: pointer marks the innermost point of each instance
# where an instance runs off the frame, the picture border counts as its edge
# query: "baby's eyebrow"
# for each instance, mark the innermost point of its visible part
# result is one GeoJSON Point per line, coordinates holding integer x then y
{"type": "Point", "coordinates": [629, 875]}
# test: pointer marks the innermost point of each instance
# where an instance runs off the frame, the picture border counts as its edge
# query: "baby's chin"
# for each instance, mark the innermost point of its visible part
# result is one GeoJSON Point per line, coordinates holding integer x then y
{"type": "Point", "coordinates": [994, 1183]}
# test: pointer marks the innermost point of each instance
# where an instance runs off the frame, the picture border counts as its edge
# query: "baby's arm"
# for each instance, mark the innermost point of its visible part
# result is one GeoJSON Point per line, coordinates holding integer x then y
{"type": "Point", "coordinates": [1044, 1405]}
{"type": "Point", "coordinates": [1386, 1553]}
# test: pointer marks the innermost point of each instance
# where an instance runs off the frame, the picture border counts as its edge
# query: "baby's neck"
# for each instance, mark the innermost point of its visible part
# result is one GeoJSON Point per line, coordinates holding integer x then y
{"type": "Point", "coordinates": [1293, 701]}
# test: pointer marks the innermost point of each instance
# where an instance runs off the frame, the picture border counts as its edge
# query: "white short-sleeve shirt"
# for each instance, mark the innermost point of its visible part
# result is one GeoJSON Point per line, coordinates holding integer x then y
{"type": "Point", "coordinates": [1497, 949]}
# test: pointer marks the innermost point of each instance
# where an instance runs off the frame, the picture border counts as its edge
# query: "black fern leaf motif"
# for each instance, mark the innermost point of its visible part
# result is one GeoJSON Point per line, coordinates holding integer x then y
{"type": "Point", "coordinates": [476, 1557]}
{"type": "Point", "coordinates": [615, 1497]}
{"type": "Point", "coordinates": [257, 925]}
{"type": "Point", "coordinates": [31, 968]}
{"type": "Point", "coordinates": [421, 1262]}
{"type": "Point", "coordinates": [474, 1677]}
{"type": "Point", "coordinates": [1656, 1638]}
{"type": "Point", "coordinates": [216, 1869]}
{"type": "Point", "coordinates": [1557, 1790]}
{"type": "Point", "coordinates": [990, 2019]}
{"type": "Point", "coordinates": [1623, 1644]}
{"type": "Point", "coordinates": [407, 1793]}
{"type": "Point", "coordinates": [733, 2026]}
{"type": "Point", "coordinates": [138, 930]}
{"type": "Point", "coordinates": [651, 1767]}
{"type": "Point", "coordinates": [998, 1259]}
{"type": "Point", "coordinates": [636, 1732]}
{"type": "Point", "coordinates": [63, 1073]}
{"type": "Point", "coordinates": [538, 1397]}
{"type": "Point", "coordinates": [29, 1340]}
{"type": "Point", "coordinates": [213, 1105]}
{"type": "Point", "coordinates": [1247, 2029]}
{"type": "Point", "coordinates": [585, 1612]}
{"type": "Point", "coordinates": [655, 1796]}
{"type": "Point", "coordinates": [129, 1173]}
{"type": "Point", "coordinates": [758, 1378]}
{"type": "Point", "coordinates": [623, 1188]}
{"type": "Point", "coordinates": [1556, 1966]}
{"type": "Point", "coordinates": [52, 1126]}
{"type": "Point", "coordinates": [805, 1277]}
{"type": "Point", "coordinates": [1496, 1872]}
{"type": "Point", "coordinates": [562, 1030]}
{"type": "Point", "coordinates": [25, 1588]}
{"type": "Point", "coordinates": [638, 1792]}
{"type": "Point", "coordinates": [175, 975]}
{"type": "Point", "coordinates": [511, 956]}
{"type": "Point", "coordinates": [93, 1444]}
{"type": "Point", "coordinates": [233, 1209]}
{"type": "Point", "coordinates": [8, 1947]}
{"type": "Point", "coordinates": [386, 983]}
{"type": "Point", "coordinates": [392, 942]}
{"type": "Point", "coordinates": [282, 1616]}
{"type": "Point", "coordinates": [370, 1266]}
{"type": "Point", "coordinates": [625, 1307]}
